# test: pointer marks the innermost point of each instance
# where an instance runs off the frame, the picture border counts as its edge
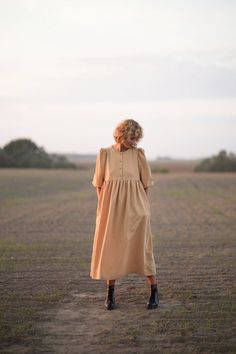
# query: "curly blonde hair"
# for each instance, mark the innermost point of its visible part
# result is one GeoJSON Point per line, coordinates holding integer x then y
{"type": "Point", "coordinates": [129, 132]}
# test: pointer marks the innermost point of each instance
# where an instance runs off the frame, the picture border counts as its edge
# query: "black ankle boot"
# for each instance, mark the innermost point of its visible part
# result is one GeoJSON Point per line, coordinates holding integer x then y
{"type": "Point", "coordinates": [153, 300]}
{"type": "Point", "coordinates": [110, 299]}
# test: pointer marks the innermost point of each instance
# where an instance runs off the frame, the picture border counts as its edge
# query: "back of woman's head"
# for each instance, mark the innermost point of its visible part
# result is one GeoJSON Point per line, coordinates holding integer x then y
{"type": "Point", "coordinates": [128, 131]}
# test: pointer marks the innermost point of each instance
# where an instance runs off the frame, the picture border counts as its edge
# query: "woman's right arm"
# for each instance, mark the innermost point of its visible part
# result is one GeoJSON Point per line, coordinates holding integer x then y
{"type": "Point", "coordinates": [99, 173]}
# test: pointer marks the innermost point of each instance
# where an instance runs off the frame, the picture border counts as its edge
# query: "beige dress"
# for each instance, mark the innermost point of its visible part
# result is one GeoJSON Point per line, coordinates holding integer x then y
{"type": "Point", "coordinates": [123, 240]}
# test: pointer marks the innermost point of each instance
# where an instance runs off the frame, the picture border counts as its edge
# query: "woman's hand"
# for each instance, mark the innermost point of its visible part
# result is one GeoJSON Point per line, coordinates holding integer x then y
{"type": "Point", "coordinates": [98, 191]}
{"type": "Point", "coordinates": [146, 190]}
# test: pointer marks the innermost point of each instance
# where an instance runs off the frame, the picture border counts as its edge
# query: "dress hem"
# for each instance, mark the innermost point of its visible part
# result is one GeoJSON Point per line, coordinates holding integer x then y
{"type": "Point", "coordinates": [121, 276]}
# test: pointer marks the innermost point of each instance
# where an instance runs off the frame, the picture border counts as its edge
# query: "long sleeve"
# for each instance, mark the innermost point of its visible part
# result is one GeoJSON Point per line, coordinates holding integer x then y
{"type": "Point", "coordinates": [99, 173]}
{"type": "Point", "coordinates": [144, 169]}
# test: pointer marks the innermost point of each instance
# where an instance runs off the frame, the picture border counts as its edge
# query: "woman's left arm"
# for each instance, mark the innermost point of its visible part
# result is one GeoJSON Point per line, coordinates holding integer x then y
{"type": "Point", "coordinates": [144, 169]}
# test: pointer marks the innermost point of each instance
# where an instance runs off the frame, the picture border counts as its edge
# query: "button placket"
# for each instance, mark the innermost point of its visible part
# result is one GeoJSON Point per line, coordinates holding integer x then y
{"type": "Point", "coordinates": [121, 164]}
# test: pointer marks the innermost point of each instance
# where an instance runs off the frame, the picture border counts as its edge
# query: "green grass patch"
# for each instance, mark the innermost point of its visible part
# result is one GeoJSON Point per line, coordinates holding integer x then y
{"type": "Point", "coordinates": [20, 315]}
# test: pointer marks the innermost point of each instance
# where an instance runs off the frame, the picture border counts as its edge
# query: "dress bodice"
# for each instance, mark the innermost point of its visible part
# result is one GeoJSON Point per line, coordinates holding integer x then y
{"type": "Point", "coordinates": [131, 164]}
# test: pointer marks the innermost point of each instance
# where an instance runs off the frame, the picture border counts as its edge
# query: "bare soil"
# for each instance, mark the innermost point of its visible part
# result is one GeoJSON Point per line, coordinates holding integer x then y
{"type": "Point", "coordinates": [49, 303]}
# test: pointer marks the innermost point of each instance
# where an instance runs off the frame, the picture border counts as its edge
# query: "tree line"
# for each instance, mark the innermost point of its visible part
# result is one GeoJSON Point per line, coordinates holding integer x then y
{"type": "Point", "coordinates": [222, 162]}
{"type": "Point", "coordinates": [24, 153]}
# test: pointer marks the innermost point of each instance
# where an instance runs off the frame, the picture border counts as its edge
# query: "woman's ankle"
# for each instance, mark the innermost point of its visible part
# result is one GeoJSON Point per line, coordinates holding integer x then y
{"type": "Point", "coordinates": [151, 279]}
{"type": "Point", "coordinates": [110, 282]}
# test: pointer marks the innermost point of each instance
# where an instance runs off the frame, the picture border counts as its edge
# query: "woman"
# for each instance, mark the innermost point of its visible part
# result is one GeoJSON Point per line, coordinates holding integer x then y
{"type": "Point", "coordinates": [123, 240]}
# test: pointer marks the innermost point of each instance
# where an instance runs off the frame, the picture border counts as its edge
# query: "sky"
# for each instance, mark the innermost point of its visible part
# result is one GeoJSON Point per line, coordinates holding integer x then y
{"type": "Point", "coordinates": [71, 70]}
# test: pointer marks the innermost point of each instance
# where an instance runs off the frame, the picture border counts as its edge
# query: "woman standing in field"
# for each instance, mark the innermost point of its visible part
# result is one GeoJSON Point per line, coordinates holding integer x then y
{"type": "Point", "coordinates": [123, 240]}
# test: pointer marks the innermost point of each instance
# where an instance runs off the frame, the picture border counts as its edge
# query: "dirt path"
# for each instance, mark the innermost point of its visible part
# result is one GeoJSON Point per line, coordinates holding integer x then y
{"type": "Point", "coordinates": [83, 326]}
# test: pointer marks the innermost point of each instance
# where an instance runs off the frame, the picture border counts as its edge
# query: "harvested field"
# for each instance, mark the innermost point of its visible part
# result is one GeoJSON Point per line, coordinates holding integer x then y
{"type": "Point", "coordinates": [49, 303]}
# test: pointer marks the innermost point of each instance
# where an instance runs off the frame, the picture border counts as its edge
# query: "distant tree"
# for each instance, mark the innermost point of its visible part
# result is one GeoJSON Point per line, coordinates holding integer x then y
{"type": "Point", "coordinates": [60, 161]}
{"type": "Point", "coordinates": [222, 162]}
{"type": "Point", "coordinates": [25, 153]}
{"type": "Point", "coordinates": [5, 159]}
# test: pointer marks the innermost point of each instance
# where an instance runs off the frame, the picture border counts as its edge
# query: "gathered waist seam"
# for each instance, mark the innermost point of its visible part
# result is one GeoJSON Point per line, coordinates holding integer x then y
{"type": "Point", "coordinates": [122, 179]}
